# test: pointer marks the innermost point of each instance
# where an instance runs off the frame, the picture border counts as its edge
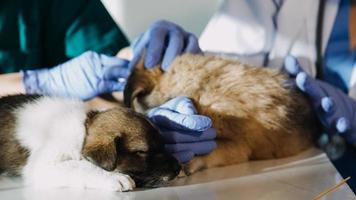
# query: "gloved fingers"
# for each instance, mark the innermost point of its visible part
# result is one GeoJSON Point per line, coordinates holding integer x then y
{"type": "Point", "coordinates": [343, 125]}
{"type": "Point", "coordinates": [327, 114]}
{"type": "Point", "coordinates": [114, 72]}
{"type": "Point", "coordinates": [166, 25]}
{"type": "Point", "coordinates": [110, 86]}
{"type": "Point", "coordinates": [330, 116]}
{"type": "Point", "coordinates": [184, 156]}
{"type": "Point", "coordinates": [155, 47]}
{"type": "Point", "coordinates": [139, 43]}
{"type": "Point", "coordinates": [192, 45]}
{"type": "Point", "coordinates": [163, 117]}
{"type": "Point", "coordinates": [292, 66]}
{"type": "Point", "coordinates": [180, 104]}
{"type": "Point", "coordinates": [174, 48]}
{"type": "Point", "coordinates": [340, 127]}
{"type": "Point", "coordinates": [170, 136]}
{"type": "Point", "coordinates": [311, 87]}
{"type": "Point", "coordinates": [333, 119]}
{"type": "Point", "coordinates": [198, 148]}
{"type": "Point", "coordinates": [328, 105]}
{"type": "Point", "coordinates": [344, 128]}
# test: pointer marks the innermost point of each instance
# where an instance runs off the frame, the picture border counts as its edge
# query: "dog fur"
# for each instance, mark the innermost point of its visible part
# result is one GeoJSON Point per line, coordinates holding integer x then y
{"type": "Point", "coordinates": [56, 142]}
{"type": "Point", "coordinates": [255, 113]}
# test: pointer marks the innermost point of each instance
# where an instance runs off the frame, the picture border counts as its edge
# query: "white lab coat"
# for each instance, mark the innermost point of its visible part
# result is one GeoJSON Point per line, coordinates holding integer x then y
{"type": "Point", "coordinates": [244, 28]}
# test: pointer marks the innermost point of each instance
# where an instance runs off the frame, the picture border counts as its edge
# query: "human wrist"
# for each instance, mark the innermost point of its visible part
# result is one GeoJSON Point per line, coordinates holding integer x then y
{"type": "Point", "coordinates": [11, 84]}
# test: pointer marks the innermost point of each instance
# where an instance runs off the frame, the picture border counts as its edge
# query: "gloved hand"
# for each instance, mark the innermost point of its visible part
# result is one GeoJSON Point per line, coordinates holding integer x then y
{"type": "Point", "coordinates": [185, 133]}
{"type": "Point", "coordinates": [84, 77]}
{"type": "Point", "coordinates": [335, 110]}
{"type": "Point", "coordinates": [163, 41]}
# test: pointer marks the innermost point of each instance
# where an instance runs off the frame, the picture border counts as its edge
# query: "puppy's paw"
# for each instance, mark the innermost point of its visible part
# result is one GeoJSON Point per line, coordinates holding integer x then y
{"type": "Point", "coordinates": [118, 182]}
{"type": "Point", "coordinates": [194, 165]}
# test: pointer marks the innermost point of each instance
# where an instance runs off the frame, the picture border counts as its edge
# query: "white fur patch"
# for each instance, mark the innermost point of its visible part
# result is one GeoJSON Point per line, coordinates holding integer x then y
{"type": "Point", "coordinates": [53, 130]}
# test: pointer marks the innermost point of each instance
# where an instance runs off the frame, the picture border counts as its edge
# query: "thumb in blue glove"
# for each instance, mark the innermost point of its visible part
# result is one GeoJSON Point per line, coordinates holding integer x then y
{"type": "Point", "coordinates": [185, 133]}
{"type": "Point", "coordinates": [162, 42]}
{"type": "Point", "coordinates": [335, 110]}
{"type": "Point", "coordinates": [84, 77]}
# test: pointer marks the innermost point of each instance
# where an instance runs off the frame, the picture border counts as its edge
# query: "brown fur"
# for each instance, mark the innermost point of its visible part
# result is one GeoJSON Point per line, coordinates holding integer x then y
{"type": "Point", "coordinates": [255, 116]}
{"type": "Point", "coordinates": [12, 155]}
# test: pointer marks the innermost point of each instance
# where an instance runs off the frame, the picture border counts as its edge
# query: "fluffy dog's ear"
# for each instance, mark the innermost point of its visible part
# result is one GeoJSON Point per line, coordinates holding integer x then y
{"type": "Point", "coordinates": [98, 147]}
{"type": "Point", "coordinates": [132, 96]}
{"type": "Point", "coordinates": [140, 84]}
{"type": "Point", "coordinates": [133, 87]}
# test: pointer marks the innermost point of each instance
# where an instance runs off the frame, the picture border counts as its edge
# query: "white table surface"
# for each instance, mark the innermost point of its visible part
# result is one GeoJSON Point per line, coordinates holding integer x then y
{"type": "Point", "coordinates": [300, 177]}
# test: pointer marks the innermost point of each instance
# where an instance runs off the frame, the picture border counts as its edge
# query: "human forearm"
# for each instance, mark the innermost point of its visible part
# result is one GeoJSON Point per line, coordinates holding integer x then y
{"type": "Point", "coordinates": [11, 84]}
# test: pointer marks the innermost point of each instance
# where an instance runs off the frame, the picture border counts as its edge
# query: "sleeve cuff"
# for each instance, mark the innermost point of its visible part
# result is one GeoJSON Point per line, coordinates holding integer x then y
{"type": "Point", "coordinates": [30, 81]}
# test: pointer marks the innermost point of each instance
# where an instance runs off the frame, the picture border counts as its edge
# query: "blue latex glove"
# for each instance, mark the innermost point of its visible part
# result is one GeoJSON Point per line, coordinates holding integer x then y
{"type": "Point", "coordinates": [163, 41]}
{"type": "Point", "coordinates": [84, 77]}
{"type": "Point", "coordinates": [335, 110]}
{"type": "Point", "coordinates": [185, 133]}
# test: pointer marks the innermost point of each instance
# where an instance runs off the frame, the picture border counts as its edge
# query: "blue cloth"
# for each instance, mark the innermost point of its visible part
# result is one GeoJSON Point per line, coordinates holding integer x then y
{"type": "Point", "coordinates": [339, 58]}
{"type": "Point", "coordinates": [339, 63]}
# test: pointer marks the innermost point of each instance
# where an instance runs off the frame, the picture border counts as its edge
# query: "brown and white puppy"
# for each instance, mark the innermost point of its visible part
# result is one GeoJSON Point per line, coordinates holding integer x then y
{"type": "Point", "coordinates": [56, 142]}
{"type": "Point", "coordinates": [256, 116]}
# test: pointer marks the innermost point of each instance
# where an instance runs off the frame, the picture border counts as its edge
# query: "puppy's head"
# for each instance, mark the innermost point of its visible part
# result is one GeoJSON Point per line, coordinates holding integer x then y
{"type": "Point", "coordinates": [125, 141]}
{"type": "Point", "coordinates": [139, 85]}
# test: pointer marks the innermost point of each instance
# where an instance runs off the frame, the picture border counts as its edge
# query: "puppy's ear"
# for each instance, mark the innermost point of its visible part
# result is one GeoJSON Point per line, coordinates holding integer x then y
{"type": "Point", "coordinates": [101, 152]}
{"type": "Point", "coordinates": [99, 148]}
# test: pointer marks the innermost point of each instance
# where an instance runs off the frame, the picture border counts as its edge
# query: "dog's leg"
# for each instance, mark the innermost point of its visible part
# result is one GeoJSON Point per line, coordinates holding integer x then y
{"type": "Point", "coordinates": [75, 173]}
{"type": "Point", "coordinates": [227, 153]}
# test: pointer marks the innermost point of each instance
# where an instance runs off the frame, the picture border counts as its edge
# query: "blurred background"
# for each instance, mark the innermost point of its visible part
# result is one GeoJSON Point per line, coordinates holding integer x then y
{"type": "Point", "coordinates": [134, 16]}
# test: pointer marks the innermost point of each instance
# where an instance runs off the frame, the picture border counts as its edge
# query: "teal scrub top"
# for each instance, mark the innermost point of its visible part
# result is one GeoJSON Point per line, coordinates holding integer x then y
{"type": "Point", "coordinates": [43, 33]}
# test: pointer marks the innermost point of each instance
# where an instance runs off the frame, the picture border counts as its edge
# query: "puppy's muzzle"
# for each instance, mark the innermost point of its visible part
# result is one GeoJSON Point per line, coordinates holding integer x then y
{"type": "Point", "coordinates": [162, 169]}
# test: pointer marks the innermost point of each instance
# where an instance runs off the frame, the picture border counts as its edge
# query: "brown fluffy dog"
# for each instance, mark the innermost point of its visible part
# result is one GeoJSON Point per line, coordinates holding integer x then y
{"type": "Point", "coordinates": [255, 115]}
